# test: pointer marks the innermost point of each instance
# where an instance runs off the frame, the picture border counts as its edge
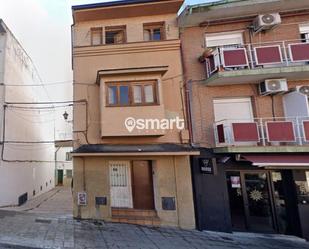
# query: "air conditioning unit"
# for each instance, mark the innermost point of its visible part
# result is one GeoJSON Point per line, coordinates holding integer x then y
{"type": "Point", "coordinates": [266, 22]}
{"type": "Point", "coordinates": [273, 86]}
{"type": "Point", "coordinates": [303, 89]}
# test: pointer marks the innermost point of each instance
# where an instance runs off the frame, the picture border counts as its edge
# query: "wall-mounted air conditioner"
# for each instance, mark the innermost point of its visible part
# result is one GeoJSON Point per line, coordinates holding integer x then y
{"type": "Point", "coordinates": [273, 86]}
{"type": "Point", "coordinates": [266, 22]}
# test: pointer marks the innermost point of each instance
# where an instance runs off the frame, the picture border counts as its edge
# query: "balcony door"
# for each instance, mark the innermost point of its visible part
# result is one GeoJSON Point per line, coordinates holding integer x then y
{"type": "Point", "coordinates": [233, 110]}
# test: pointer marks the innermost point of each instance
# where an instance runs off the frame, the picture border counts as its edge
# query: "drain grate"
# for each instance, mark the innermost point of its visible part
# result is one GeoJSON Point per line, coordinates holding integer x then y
{"type": "Point", "coordinates": [46, 221]}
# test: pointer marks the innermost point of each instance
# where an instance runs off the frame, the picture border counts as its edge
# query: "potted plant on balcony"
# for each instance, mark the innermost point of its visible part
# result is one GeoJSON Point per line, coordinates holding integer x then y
{"type": "Point", "coordinates": [207, 52]}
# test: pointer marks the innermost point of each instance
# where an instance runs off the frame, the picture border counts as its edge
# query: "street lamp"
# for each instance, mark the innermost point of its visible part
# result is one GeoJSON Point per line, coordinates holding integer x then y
{"type": "Point", "coordinates": [65, 115]}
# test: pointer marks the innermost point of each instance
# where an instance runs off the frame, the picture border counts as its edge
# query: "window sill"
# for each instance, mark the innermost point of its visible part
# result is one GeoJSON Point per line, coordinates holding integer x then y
{"type": "Point", "coordinates": [143, 105]}
{"type": "Point", "coordinates": [125, 43]}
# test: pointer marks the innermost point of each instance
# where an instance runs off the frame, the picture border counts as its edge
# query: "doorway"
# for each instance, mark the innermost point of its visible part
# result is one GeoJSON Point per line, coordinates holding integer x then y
{"type": "Point", "coordinates": [120, 184]}
{"type": "Point", "coordinates": [131, 184]}
{"type": "Point", "coordinates": [60, 177]}
{"type": "Point", "coordinates": [143, 197]}
{"type": "Point", "coordinates": [250, 200]}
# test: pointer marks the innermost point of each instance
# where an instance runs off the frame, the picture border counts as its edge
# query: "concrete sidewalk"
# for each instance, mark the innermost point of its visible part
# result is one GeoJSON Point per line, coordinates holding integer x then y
{"type": "Point", "coordinates": [32, 230]}
{"type": "Point", "coordinates": [46, 222]}
{"type": "Point", "coordinates": [57, 201]}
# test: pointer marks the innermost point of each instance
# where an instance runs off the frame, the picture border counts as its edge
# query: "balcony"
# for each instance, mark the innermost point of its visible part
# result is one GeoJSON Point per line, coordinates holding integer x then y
{"type": "Point", "coordinates": [255, 62]}
{"type": "Point", "coordinates": [273, 135]}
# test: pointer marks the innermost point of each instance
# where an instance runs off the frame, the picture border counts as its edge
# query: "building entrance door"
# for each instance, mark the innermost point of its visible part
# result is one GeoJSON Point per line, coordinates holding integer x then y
{"type": "Point", "coordinates": [131, 184]}
{"type": "Point", "coordinates": [258, 202]}
{"type": "Point", "coordinates": [250, 201]}
{"type": "Point", "coordinates": [120, 183]}
{"type": "Point", "coordinates": [143, 197]}
{"type": "Point", "coordinates": [60, 177]}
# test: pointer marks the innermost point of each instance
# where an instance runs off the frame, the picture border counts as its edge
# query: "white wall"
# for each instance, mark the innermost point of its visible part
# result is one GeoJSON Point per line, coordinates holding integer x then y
{"type": "Point", "coordinates": [2, 50]}
{"type": "Point", "coordinates": [34, 169]}
{"type": "Point", "coordinates": [62, 163]}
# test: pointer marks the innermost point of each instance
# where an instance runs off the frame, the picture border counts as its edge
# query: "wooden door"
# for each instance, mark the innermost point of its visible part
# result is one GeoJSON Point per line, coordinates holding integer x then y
{"type": "Point", "coordinates": [143, 197]}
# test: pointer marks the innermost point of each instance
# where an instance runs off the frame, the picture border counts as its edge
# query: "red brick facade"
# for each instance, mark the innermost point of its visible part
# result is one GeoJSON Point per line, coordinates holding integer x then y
{"type": "Point", "coordinates": [193, 45]}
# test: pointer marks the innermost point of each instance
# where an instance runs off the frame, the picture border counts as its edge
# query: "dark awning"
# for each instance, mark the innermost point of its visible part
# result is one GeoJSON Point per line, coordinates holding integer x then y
{"type": "Point", "coordinates": [277, 160]}
{"type": "Point", "coordinates": [145, 149]}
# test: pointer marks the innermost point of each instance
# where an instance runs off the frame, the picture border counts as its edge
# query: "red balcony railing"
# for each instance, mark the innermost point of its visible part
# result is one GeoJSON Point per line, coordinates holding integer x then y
{"type": "Point", "coordinates": [258, 55]}
{"type": "Point", "coordinates": [262, 132]}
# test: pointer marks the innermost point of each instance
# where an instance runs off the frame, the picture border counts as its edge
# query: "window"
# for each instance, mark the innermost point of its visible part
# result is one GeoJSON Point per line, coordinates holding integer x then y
{"type": "Point", "coordinates": [304, 32]}
{"type": "Point", "coordinates": [137, 94]}
{"type": "Point", "coordinates": [115, 35]}
{"type": "Point", "coordinates": [149, 96]}
{"type": "Point", "coordinates": [224, 39]}
{"type": "Point", "coordinates": [154, 32]}
{"type": "Point", "coordinates": [69, 173]}
{"type": "Point", "coordinates": [233, 109]}
{"type": "Point", "coordinates": [112, 95]}
{"type": "Point", "coordinates": [68, 156]}
{"type": "Point", "coordinates": [124, 95]}
{"type": "Point", "coordinates": [96, 36]}
{"type": "Point", "coordinates": [132, 93]}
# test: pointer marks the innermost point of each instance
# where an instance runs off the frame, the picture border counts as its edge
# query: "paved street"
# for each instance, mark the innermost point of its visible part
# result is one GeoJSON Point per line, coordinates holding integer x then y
{"type": "Point", "coordinates": [45, 222]}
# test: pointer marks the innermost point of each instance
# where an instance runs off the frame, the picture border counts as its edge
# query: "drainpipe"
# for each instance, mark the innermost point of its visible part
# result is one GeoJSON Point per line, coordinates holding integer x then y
{"type": "Point", "coordinates": [190, 113]}
{"type": "Point", "coordinates": [188, 99]}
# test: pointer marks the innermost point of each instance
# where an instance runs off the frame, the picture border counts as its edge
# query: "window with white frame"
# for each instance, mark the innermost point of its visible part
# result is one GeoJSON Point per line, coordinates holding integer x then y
{"type": "Point", "coordinates": [304, 32]}
{"type": "Point", "coordinates": [68, 156]}
{"type": "Point", "coordinates": [224, 39]}
{"type": "Point", "coordinates": [233, 109]}
{"type": "Point", "coordinates": [69, 173]}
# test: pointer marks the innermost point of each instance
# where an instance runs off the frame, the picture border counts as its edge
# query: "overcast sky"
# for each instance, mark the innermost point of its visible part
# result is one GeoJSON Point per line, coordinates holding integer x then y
{"type": "Point", "coordinates": [43, 29]}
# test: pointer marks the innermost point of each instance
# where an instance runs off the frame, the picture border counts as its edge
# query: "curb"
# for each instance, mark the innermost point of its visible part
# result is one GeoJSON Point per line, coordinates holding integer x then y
{"type": "Point", "coordinates": [17, 246]}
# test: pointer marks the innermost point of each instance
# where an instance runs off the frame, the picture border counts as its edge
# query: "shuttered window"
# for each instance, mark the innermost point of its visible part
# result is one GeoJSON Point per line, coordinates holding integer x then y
{"type": "Point", "coordinates": [224, 39]}
{"type": "Point", "coordinates": [96, 36]}
{"type": "Point", "coordinates": [304, 28]}
{"type": "Point", "coordinates": [233, 109]}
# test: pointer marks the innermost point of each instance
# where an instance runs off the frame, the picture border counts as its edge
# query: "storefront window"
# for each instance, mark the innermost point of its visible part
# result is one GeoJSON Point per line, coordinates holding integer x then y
{"type": "Point", "coordinates": [302, 189]}
{"type": "Point", "coordinates": [279, 198]}
{"type": "Point", "coordinates": [301, 185]}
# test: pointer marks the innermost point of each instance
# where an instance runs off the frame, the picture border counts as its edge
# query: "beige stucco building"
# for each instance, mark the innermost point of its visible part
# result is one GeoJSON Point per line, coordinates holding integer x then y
{"type": "Point", "coordinates": [127, 71]}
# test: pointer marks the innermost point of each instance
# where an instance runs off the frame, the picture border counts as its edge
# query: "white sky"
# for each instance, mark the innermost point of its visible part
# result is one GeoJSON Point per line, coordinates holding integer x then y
{"type": "Point", "coordinates": [43, 27]}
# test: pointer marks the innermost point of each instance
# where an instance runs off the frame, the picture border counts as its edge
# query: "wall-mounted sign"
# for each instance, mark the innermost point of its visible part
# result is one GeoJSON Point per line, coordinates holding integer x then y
{"type": "Point", "coordinates": [235, 181]}
{"type": "Point", "coordinates": [207, 165]}
{"type": "Point", "coordinates": [82, 198]}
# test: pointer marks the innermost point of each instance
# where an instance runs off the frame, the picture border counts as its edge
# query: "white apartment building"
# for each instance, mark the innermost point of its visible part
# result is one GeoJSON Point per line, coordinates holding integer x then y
{"type": "Point", "coordinates": [27, 167]}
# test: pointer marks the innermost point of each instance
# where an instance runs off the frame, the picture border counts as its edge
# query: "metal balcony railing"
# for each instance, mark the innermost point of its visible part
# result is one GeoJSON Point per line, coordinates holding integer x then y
{"type": "Point", "coordinates": [262, 132]}
{"type": "Point", "coordinates": [257, 55]}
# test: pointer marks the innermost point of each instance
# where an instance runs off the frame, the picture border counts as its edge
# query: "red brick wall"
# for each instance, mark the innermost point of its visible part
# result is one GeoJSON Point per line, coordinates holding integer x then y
{"type": "Point", "coordinates": [193, 44]}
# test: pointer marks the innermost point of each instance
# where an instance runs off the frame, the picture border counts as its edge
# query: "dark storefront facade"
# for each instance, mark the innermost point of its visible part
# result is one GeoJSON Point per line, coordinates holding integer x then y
{"type": "Point", "coordinates": [240, 196]}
